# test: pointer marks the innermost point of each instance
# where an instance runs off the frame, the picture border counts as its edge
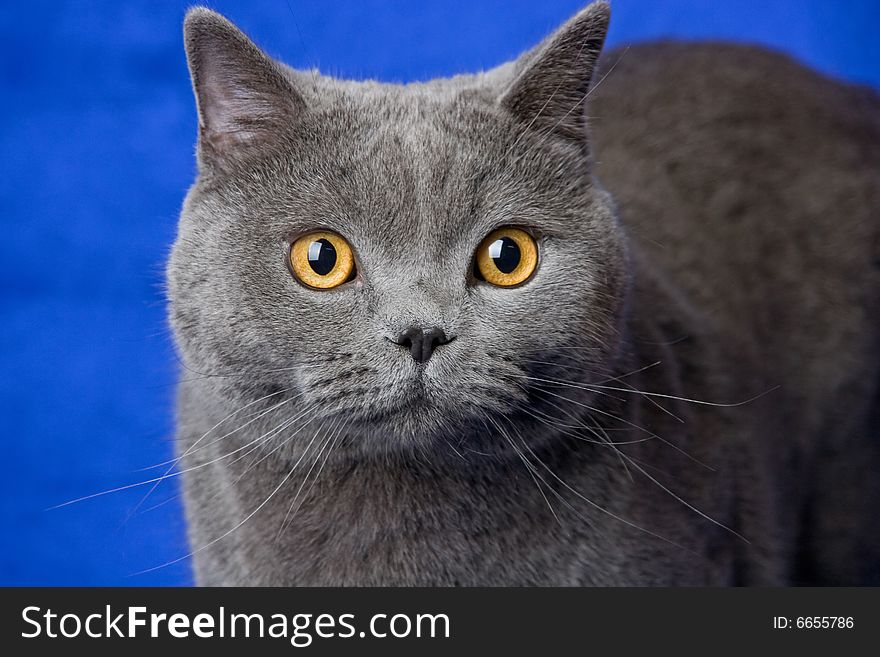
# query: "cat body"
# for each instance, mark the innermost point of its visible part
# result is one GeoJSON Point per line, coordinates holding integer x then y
{"type": "Point", "coordinates": [683, 393]}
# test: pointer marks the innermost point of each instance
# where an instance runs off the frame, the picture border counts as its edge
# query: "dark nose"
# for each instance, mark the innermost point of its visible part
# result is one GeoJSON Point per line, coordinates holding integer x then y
{"type": "Point", "coordinates": [421, 342]}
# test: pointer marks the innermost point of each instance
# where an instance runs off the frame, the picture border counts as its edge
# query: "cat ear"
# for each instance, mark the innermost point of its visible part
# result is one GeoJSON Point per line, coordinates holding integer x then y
{"type": "Point", "coordinates": [242, 95]}
{"type": "Point", "coordinates": [553, 80]}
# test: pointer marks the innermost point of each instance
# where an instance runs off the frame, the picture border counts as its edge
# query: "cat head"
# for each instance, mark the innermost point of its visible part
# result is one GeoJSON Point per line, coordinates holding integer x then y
{"type": "Point", "coordinates": [408, 261]}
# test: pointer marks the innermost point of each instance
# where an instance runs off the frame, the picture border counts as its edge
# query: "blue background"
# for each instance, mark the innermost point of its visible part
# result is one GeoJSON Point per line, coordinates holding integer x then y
{"type": "Point", "coordinates": [97, 127]}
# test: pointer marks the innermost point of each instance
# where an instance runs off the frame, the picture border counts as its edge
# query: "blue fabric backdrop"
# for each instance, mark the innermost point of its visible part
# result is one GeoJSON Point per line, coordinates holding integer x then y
{"type": "Point", "coordinates": [96, 151]}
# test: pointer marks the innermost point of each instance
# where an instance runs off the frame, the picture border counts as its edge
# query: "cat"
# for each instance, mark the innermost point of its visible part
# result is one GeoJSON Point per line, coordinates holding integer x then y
{"type": "Point", "coordinates": [570, 321]}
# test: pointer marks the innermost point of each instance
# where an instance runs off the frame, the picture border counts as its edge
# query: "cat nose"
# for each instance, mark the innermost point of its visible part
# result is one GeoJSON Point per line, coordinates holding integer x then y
{"type": "Point", "coordinates": [421, 342]}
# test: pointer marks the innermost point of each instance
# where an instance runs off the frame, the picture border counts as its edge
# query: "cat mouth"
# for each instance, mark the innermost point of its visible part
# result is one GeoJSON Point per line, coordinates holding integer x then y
{"type": "Point", "coordinates": [413, 409]}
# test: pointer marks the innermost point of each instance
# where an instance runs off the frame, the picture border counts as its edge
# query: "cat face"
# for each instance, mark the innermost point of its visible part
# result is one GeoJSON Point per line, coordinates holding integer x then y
{"type": "Point", "coordinates": [335, 244]}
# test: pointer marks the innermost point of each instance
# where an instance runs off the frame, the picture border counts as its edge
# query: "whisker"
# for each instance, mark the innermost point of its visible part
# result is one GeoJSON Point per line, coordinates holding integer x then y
{"type": "Point", "coordinates": [291, 512]}
{"type": "Point", "coordinates": [323, 445]}
{"type": "Point", "coordinates": [599, 507]}
{"type": "Point", "coordinates": [694, 401]}
{"type": "Point", "coordinates": [529, 467]}
{"type": "Point", "coordinates": [457, 453]}
{"type": "Point", "coordinates": [687, 504]}
{"type": "Point", "coordinates": [627, 422]}
{"type": "Point", "coordinates": [177, 460]}
{"type": "Point", "coordinates": [562, 428]}
{"type": "Point", "coordinates": [227, 533]}
{"type": "Point", "coordinates": [167, 475]}
{"type": "Point", "coordinates": [604, 438]}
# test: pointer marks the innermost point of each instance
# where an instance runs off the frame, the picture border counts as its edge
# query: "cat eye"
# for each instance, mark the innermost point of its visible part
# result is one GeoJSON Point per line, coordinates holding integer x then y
{"type": "Point", "coordinates": [322, 260]}
{"type": "Point", "coordinates": [507, 257]}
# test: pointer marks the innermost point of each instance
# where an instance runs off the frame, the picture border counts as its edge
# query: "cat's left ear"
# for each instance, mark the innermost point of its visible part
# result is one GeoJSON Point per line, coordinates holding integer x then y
{"type": "Point", "coordinates": [244, 98]}
{"type": "Point", "coordinates": [552, 82]}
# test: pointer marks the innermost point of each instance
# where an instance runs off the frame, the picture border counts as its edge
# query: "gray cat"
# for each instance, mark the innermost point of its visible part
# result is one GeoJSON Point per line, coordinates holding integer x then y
{"type": "Point", "coordinates": [444, 334]}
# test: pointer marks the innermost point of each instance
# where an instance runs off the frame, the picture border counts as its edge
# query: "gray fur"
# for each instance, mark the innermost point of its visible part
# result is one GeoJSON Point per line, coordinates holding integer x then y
{"type": "Point", "coordinates": [738, 264]}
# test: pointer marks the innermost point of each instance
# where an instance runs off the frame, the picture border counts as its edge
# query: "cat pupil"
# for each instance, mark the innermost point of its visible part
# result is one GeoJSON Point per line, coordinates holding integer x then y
{"type": "Point", "coordinates": [505, 254]}
{"type": "Point", "coordinates": [322, 257]}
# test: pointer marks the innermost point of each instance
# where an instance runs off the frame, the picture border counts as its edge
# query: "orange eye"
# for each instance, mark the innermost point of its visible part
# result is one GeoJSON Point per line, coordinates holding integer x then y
{"type": "Point", "coordinates": [507, 257]}
{"type": "Point", "coordinates": [322, 260]}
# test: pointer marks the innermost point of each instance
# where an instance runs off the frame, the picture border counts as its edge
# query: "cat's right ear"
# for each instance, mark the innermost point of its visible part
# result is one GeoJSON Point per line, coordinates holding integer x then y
{"type": "Point", "coordinates": [243, 97]}
{"type": "Point", "coordinates": [552, 81]}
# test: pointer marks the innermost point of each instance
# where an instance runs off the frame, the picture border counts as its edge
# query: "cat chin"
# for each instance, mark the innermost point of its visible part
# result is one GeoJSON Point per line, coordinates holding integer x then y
{"type": "Point", "coordinates": [416, 424]}
{"type": "Point", "coordinates": [440, 433]}
{"type": "Point", "coordinates": [404, 430]}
